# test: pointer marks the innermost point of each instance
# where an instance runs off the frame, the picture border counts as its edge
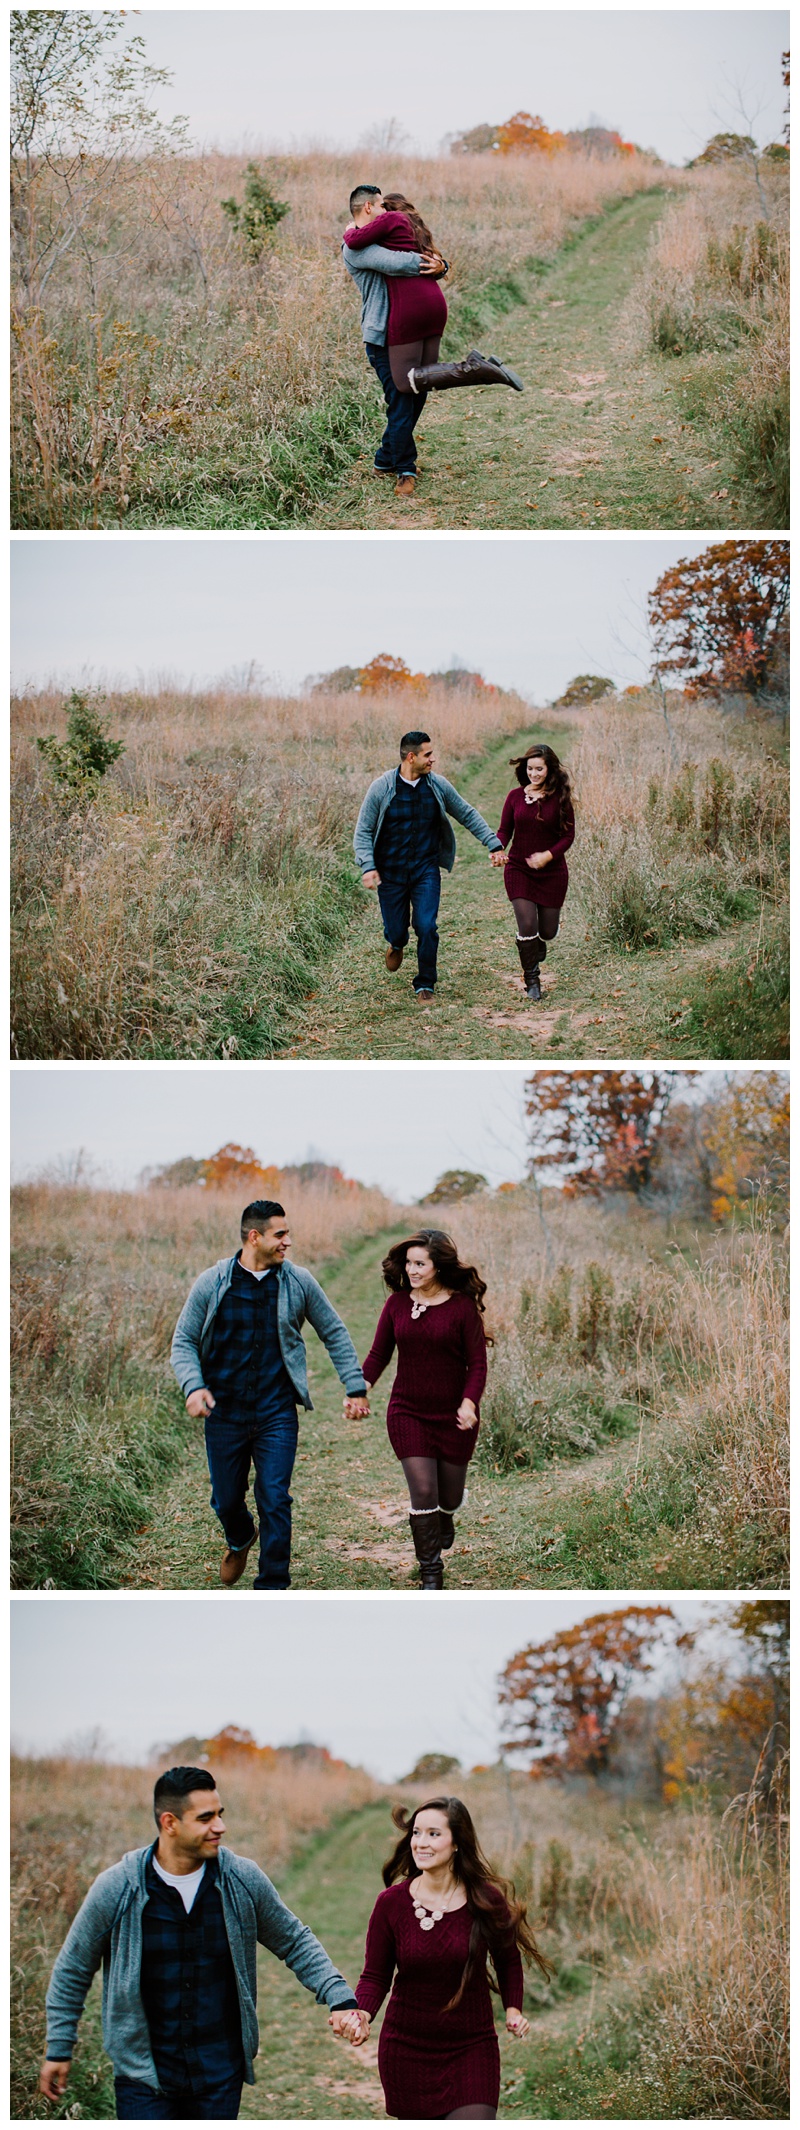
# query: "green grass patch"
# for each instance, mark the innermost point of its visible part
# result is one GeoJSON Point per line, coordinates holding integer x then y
{"type": "Point", "coordinates": [741, 1008]}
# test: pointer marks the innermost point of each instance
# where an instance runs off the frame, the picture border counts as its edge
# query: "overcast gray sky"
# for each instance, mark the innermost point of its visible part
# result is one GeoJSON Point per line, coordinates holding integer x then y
{"type": "Point", "coordinates": [399, 1127]}
{"type": "Point", "coordinates": [527, 613]}
{"type": "Point", "coordinates": [378, 1680]}
{"type": "Point", "coordinates": [664, 78]}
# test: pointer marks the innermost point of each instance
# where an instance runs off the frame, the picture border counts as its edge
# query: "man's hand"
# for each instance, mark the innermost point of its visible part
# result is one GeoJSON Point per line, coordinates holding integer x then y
{"type": "Point", "coordinates": [432, 263]}
{"type": "Point", "coordinates": [350, 2026]}
{"type": "Point", "coordinates": [466, 1415]}
{"type": "Point", "coordinates": [356, 1408]}
{"type": "Point", "coordinates": [539, 859]}
{"type": "Point", "coordinates": [53, 2078]}
{"type": "Point", "coordinates": [200, 1402]}
{"type": "Point", "coordinates": [371, 880]}
{"type": "Point", "coordinates": [499, 857]}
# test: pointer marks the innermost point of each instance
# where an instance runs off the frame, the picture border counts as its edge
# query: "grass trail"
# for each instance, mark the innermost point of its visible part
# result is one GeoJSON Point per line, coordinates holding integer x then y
{"type": "Point", "coordinates": [596, 1003]}
{"type": "Point", "coordinates": [571, 1526]}
{"type": "Point", "coordinates": [303, 2073]}
{"type": "Point", "coordinates": [601, 436]}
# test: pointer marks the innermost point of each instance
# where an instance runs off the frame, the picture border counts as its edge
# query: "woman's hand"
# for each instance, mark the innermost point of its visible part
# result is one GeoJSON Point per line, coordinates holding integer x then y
{"type": "Point", "coordinates": [517, 2024]}
{"type": "Point", "coordinates": [539, 859]}
{"type": "Point", "coordinates": [357, 1408]}
{"type": "Point", "coordinates": [466, 1415]}
{"type": "Point", "coordinates": [350, 2026]}
{"type": "Point", "coordinates": [499, 857]}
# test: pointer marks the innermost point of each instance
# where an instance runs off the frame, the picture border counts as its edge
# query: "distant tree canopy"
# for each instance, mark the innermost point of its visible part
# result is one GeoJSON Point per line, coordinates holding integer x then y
{"type": "Point", "coordinates": [585, 688]}
{"type": "Point", "coordinates": [235, 1167]}
{"type": "Point", "coordinates": [433, 1767]}
{"type": "Point", "coordinates": [596, 1131]}
{"type": "Point", "coordinates": [387, 675]}
{"type": "Point", "coordinates": [726, 148]}
{"type": "Point", "coordinates": [526, 134]}
{"type": "Point", "coordinates": [455, 1183]}
{"type": "Point", "coordinates": [562, 1699]}
{"type": "Point", "coordinates": [721, 618]}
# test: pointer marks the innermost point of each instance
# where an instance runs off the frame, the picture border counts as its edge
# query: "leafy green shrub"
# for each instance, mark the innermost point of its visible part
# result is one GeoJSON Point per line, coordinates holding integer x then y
{"type": "Point", "coordinates": [79, 761]}
{"type": "Point", "coordinates": [257, 215]}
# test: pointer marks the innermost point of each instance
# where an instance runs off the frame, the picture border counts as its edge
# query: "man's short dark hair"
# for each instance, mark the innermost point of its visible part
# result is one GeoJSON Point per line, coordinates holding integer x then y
{"type": "Point", "coordinates": [411, 741]}
{"type": "Point", "coordinates": [361, 194]}
{"type": "Point", "coordinates": [259, 1214]}
{"type": "Point", "coordinates": [173, 1788]}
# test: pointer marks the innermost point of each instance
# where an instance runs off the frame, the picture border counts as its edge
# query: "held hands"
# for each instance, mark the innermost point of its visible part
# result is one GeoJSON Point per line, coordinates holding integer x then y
{"type": "Point", "coordinates": [466, 1415]}
{"type": "Point", "coordinates": [371, 880]}
{"type": "Point", "coordinates": [200, 1402]}
{"type": "Point", "coordinates": [539, 859]}
{"type": "Point", "coordinates": [499, 857]}
{"type": "Point", "coordinates": [53, 2078]}
{"type": "Point", "coordinates": [350, 2026]}
{"type": "Point", "coordinates": [517, 2025]}
{"type": "Point", "coordinates": [356, 1408]}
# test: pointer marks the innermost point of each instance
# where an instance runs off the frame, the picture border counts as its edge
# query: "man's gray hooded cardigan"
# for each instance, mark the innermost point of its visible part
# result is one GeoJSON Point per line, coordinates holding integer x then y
{"type": "Point", "coordinates": [108, 1930]}
{"type": "Point", "coordinates": [300, 1300]}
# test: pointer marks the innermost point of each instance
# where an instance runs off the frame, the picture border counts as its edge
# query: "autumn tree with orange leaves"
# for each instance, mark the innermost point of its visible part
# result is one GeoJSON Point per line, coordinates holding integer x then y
{"type": "Point", "coordinates": [720, 620]}
{"type": "Point", "coordinates": [595, 1131]}
{"type": "Point", "coordinates": [238, 1167]}
{"type": "Point", "coordinates": [562, 1700]}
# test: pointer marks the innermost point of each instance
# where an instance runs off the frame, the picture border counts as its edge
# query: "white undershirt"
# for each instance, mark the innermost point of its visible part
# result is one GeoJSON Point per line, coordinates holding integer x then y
{"type": "Point", "coordinates": [255, 1275]}
{"type": "Point", "coordinates": [186, 1883]}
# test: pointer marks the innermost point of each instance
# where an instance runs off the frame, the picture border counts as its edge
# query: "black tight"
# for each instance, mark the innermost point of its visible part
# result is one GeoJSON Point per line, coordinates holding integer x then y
{"type": "Point", "coordinates": [409, 355]}
{"type": "Point", "coordinates": [533, 920]}
{"type": "Point", "coordinates": [477, 2113]}
{"type": "Point", "coordinates": [433, 1484]}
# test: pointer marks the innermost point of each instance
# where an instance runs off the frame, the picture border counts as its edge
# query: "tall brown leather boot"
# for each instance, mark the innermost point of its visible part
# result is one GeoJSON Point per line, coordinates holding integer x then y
{"type": "Point", "coordinates": [476, 369]}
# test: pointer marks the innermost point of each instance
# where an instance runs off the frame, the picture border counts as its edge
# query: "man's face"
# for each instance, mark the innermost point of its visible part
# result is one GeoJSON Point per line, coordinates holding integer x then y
{"type": "Point", "coordinates": [420, 763]}
{"type": "Point", "coordinates": [199, 1831]}
{"type": "Point", "coordinates": [271, 1246]}
{"type": "Point", "coordinates": [371, 207]}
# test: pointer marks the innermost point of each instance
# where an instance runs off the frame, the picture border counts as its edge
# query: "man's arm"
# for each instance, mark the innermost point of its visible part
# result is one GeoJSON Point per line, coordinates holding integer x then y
{"type": "Point", "coordinates": [185, 1352]}
{"type": "Point", "coordinates": [468, 816]}
{"type": "Point", "coordinates": [363, 839]}
{"type": "Point", "coordinates": [76, 1965]}
{"type": "Point", "coordinates": [291, 1941]}
{"type": "Point", "coordinates": [376, 259]}
{"type": "Point", "coordinates": [335, 1338]}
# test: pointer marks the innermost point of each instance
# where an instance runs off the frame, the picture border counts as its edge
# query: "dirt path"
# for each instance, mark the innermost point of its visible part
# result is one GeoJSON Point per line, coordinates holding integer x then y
{"type": "Point", "coordinates": [350, 1509]}
{"type": "Point", "coordinates": [595, 1003]}
{"type": "Point", "coordinates": [597, 439]}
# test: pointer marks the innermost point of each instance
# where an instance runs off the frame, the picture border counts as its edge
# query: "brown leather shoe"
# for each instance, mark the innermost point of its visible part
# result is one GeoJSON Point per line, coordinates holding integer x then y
{"type": "Point", "coordinates": [405, 485]}
{"type": "Point", "coordinates": [394, 956]}
{"type": "Point", "coordinates": [232, 1565]}
{"type": "Point", "coordinates": [423, 997]}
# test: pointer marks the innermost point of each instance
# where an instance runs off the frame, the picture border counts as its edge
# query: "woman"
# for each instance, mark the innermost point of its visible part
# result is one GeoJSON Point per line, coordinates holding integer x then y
{"type": "Point", "coordinates": [434, 1319]}
{"type": "Point", "coordinates": [418, 311]}
{"type": "Point", "coordinates": [539, 825]}
{"type": "Point", "coordinates": [444, 1915]}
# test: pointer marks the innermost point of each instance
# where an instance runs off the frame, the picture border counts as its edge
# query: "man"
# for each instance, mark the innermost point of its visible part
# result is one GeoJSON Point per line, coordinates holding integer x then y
{"type": "Point", "coordinates": [403, 838]}
{"type": "Point", "coordinates": [176, 1926]}
{"type": "Point", "coordinates": [240, 1360]}
{"type": "Point", "coordinates": [397, 451]}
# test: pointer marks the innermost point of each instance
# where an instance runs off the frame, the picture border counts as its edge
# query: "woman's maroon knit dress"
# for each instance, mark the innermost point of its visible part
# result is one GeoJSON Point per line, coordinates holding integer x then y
{"type": "Point", "coordinates": [417, 308]}
{"type": "Point", "coordinates": [536, 828]}
{"type": "Point", "coordinates": [441, 1358]}
{"type": "Point", "coordinates": [430, 2060]}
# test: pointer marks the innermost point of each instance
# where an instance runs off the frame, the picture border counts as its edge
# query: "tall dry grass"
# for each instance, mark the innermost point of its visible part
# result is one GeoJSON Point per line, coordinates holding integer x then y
{"type": "Point", "coordinates": [610, 1325]}
{"type": "Point", "coordinates": [98, 1280]}
{"type": "Point", "coordinates": [180, 911]}
{"type": "Point", "coordinates": [717, 284]}
{"type": "Point", "coordinates": [162, 378]}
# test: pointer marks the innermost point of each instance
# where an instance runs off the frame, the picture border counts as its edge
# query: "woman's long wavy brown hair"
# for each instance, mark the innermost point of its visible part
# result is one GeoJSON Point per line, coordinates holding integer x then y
{"type": "Point", "coordinates": [457, 1278]}
{"type": "Point", "coordinates": [499, 1919]}
{"type": "Point", "coordinates": [557, 779]}
{"type": "Point", "coordinates": [396, 203]}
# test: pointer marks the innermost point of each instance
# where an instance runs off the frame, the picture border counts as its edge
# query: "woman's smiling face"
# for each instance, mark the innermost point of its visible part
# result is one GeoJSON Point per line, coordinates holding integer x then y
{"type": "Point", "coordinates": [419, 1266]}
{"type": "Point", "coordinates": [431, 1842]}
{"type": "Point", "coordinates": [537, 770]}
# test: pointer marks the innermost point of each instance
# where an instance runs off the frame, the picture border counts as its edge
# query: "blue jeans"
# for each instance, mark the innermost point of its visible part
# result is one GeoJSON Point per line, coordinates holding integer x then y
{"type": "Point", "coordinates": [270, 1445]}
{"type": "Point", "coordinates": [397, 450]}
{"type": "Point", "coordinates": [137, 2103]}
{"type": "Point", "coordinates": [417, 899]}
